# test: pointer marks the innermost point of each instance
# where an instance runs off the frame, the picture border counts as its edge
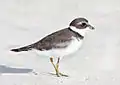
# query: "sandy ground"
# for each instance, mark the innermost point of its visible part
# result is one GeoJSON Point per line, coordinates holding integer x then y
{"type": "Point", "coordinates": [23, 22]}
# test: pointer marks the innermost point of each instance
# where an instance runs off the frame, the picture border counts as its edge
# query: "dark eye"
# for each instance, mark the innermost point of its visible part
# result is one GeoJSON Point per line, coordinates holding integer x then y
{"type": "Point", "coordinates": [83, 24]}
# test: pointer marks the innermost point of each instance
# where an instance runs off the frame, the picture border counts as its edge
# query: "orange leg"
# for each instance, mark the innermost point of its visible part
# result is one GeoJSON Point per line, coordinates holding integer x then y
{"type": "Point", "coordinates": [56, 67]}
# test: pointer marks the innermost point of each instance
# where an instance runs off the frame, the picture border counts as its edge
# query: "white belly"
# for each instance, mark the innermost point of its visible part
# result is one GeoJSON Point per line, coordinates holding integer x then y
{"type": "Point", "coordinates": [73, 47]}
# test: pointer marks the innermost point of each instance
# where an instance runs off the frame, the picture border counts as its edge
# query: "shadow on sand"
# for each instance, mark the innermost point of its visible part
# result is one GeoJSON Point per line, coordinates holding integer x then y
{"type": "Point", "coordinates": [6, 69]}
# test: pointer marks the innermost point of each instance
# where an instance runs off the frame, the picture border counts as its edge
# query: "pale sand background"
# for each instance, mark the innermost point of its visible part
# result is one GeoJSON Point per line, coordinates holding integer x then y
{"type": "Point", "coordinates": [25, 21]}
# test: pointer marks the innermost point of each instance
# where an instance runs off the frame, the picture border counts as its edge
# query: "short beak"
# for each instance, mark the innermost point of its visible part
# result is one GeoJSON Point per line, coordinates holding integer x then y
{"type": "Point", "coordinates": [91, 27]}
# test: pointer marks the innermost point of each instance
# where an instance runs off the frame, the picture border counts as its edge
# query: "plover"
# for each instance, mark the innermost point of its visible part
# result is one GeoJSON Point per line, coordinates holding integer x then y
{"type": "Point", "coordinates": [61, 43]}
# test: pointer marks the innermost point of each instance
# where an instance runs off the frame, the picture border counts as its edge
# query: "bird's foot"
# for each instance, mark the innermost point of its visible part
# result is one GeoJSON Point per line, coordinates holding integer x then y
{"type": "Point", "coordinates": [57, 74]}
{"type": "Point", "coordinates": [61, 74]}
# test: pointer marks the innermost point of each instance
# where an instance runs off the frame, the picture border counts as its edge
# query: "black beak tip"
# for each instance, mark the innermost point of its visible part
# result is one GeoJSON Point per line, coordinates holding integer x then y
{"type": "Point", "coordinates": [92, 28]}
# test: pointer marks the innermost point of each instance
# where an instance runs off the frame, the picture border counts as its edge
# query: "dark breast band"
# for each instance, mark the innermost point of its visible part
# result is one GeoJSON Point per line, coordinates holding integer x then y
{"type": "Point", "coordinates": [77, 34]}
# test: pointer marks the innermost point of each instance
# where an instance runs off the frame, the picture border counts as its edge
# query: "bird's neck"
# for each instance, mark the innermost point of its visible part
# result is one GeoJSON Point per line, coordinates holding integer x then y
{"type": "Point", "coordinates": [80, 31]}
{"type": "Point", "coordinates": [77, 34]}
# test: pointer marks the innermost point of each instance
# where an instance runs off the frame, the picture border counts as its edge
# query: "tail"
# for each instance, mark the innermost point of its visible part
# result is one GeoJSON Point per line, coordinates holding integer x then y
{"type": "Point", "coordinates": [26, 48]}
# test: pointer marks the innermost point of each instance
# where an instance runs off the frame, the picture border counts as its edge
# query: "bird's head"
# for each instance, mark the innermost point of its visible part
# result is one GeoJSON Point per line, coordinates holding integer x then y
{"type": "Point", "coordinates": [81, 25]}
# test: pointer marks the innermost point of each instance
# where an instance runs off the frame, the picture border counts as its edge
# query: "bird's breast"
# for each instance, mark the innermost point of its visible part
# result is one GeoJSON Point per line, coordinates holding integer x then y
{"type": "Point", "coordinates": [73, 46]}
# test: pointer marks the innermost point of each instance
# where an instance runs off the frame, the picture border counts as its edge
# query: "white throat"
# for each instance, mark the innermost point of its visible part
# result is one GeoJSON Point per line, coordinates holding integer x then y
{"type": "Point", "coordinates": [80, 31]}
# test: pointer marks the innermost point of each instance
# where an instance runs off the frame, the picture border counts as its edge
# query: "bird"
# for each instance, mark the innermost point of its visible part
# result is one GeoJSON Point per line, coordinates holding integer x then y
{"type": "Point", "coordinates": [61, 43]}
